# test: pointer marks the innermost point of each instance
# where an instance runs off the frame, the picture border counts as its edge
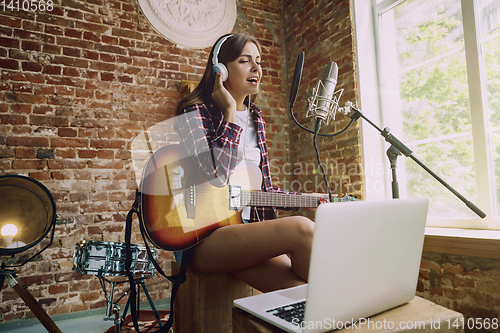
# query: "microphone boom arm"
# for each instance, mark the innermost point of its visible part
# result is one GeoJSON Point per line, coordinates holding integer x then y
{"type": "Point", "coordinates": [403, 149]}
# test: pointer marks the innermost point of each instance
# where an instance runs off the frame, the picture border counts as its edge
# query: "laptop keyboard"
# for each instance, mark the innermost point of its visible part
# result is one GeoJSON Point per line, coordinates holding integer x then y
{"type": "Point", "coordinates": [290, 312]}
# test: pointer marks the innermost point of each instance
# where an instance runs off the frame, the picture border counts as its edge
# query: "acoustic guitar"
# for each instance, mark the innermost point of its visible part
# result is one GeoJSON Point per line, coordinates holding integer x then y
{"type": "Point", "coordinates": [180, 207]}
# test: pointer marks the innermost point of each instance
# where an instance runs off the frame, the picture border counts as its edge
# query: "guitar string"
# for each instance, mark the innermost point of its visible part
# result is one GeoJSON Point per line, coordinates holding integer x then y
{"type": "Point", "coordinates": [269, 198]}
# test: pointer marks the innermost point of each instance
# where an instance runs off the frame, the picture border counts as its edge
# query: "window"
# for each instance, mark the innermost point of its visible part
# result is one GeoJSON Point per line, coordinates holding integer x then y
{"type": "Point", "coordinates": [431, 68]}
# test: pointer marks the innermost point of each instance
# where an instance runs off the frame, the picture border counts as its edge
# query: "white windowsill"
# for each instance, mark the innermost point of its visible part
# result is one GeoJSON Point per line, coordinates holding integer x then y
{"type": "Point", "coordinates": [477, 243]}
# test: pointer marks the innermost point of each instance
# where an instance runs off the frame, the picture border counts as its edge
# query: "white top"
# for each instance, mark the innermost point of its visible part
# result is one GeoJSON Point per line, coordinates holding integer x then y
{"type": "Point", "coordinates": [248, 149]}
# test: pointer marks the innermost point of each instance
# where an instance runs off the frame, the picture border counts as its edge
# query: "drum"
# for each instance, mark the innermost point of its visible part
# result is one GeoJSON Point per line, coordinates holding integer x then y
{"type": "Point", "coordinates": [108, 259]}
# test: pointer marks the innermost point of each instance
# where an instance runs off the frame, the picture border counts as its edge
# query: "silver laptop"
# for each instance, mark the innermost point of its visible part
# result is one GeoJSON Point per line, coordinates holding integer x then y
{"type": "Point", "coordinates": [365, 259]}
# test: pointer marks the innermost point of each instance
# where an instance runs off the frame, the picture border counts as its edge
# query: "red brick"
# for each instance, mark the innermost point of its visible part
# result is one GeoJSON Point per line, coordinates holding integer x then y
{"type": "Point", "coordinates": [11, 21]}
{"type": "Point", "coordinates": [32, 67]}
{"type": "Point", "coordinates": [66, 81]}
{"type": "Point", "coordinates": [74, 13]}
{"type": "Point", "coordinates": [23, 98]}
{"type": "Point", "coordinates": [72, 276]}
{"type": "Point", "coordinates": [143, 53]}
{"type": "Point", "coordinates": [90, 74]}
{"type": "Point", "coordinates": [74, 72]}
{"type": "Point", "coordinates": [107, 57]}
{"type": "Point", "coordinates": [105, 164]}
{"type": "Point", "coordinates": [29, 164]}
{"type": "Point", "coordinates": [13, 76]}
{"type": "Point", "coordinates": [68, 142]}
{"type": "Point", "coordinates": [107, 76]}
{"type": "Point", "coordinates": [53, 70]}
{"type": "Point", "coordinates": [43, 109]}
{"type": "Point", "coordinates": [102, 66]}
{"type": "Point", "coordinates": [65, 153]}
{"type": "Point", "coordinates": [54, 30]}
{"type": "Point", "coordinates": [28, 141]}
{"type": "Point", "coordinates": [66, 164]}
{"type": "Point", "coordinates": [105, 154]}
{"type": "Point", "coordinates": [78, 5]}
{"type": "Point", "coordinates": [31, 45]}
{"type": "Point", "coordinates": [96, 28]}
{"type": "Point", "coordinates": [49, 120]}
{"type": "Point", "coordinates": [127, 33]}
{"type": "Point", "coordinates": [128, 43]}
{"type": "Point", "coordinates": [29, 35]}
{"type": "Point", "coordinates": [35, 77]}
{"type": "Point", "coordinates": [51, 49]}
{"type": "Point", "coordinates": [92, 55]}
{"type": "Point", "coordinates": [111, 40]}
{"type": "Point", "coordinates": [12, 119]}
{"type": "Point", "coordinates": [92, 18]}
{"type": "Point", "coordinates": [58, 289]}
{"type": "Point", "coordinates": [60, 175]}
{"type": "Point", "coordinates": [40, 176]}
{"type": "Point", "coordinates": [72, 33]}
{"type": "Point", "coordinates": [10, 43]}
{"type": "Point", "coordinates": [91, 36]}
{"type": "Point", "coordinates": [110, 144]}
{"type": "Point", "coordinates": [87, 153]}
{"type": "Point", "coordinates": [128, 25]}
{"type": "Point", "coordinates": [126, 79]}
{"type": "Point", "coordinates": [71, 52]}
{"type": "Point", "coordinates": [84, 93]}
{"type": "Point", "coordinates": [25, 153]}
{"type": "Point", "coordinates": [9, 64]}
{"type": "Point", "coordinates": [89, 296]}
{"type": "Point", "coordinates": [67, 132]}
{"type": "Point", "coordinates": [22, 87]}
{"type": "Point", "coordinates": [72, 62]}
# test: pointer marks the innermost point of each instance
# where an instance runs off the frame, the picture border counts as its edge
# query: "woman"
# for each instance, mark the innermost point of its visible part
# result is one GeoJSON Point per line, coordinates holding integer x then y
{"type": "Point", "coordinates": [221, 127]}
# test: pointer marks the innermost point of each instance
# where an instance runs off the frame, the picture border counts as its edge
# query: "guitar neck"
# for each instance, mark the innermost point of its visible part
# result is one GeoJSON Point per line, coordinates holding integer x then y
{"type": "Point", "coordinates": [258, 198]}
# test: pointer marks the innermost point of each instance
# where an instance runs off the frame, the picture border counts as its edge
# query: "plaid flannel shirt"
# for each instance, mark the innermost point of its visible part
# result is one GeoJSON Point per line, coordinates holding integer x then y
{"type": "Point", "coordinates": [214, 144]}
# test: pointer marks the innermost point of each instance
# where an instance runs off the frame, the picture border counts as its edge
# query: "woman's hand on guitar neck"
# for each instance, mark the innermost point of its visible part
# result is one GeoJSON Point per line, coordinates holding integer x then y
{"type": "Point", "coordinates": [322, 198]}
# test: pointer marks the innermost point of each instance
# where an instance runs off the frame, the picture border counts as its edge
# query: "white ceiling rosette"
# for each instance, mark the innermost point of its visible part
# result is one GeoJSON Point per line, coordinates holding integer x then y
{"type": "Point", "coordinates": [191, 23]}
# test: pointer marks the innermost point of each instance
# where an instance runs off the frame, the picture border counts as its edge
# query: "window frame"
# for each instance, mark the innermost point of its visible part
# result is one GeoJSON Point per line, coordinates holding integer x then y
{"type": "Point", "coordinates": [376, 167]}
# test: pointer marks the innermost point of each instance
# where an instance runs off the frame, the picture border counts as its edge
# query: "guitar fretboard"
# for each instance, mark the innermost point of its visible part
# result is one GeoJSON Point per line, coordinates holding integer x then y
{"type": "Point", "coordinates": [257, 198]}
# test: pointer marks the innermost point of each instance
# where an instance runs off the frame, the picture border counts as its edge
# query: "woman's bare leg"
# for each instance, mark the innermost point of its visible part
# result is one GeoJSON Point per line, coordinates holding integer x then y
{"type": "Point", "coordinates": [274, 274]}
{"type": "Point", "coordinates": [255, 252]}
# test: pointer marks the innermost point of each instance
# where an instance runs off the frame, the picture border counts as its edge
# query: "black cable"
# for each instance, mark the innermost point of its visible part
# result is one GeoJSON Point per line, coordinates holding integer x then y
{"type": "Point", "coordinates": [327, 135]}
{"type": "Point", "coordinates": [325, 178]}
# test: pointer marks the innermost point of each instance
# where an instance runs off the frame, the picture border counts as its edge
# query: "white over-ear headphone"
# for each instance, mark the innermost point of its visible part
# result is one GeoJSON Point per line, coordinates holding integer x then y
{"type": "Point", "coordinates": [219, 67]}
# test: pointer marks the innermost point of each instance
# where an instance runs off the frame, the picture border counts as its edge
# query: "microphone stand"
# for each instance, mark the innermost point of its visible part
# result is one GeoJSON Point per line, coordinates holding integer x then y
{"type": "Point", "coordinates": [398, 148]}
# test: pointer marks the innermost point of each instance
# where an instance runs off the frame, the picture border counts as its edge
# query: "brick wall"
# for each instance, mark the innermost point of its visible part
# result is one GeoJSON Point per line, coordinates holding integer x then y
{"type": "Point", "coordinates": [323, 30]}
{"type": "Point", "coordinates": [465, 284]}
{"type": "Point", "coordinates": [78, 84]}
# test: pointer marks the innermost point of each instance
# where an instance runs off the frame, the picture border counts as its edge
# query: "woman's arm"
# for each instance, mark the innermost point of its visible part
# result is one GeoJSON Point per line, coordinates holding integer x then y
{"type": "Point", "coordinates": [212, 141]}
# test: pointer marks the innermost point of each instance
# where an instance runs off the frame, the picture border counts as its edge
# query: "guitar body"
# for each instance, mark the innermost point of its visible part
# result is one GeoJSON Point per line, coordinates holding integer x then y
{"type": "Point", "coordinates": [179, 206]}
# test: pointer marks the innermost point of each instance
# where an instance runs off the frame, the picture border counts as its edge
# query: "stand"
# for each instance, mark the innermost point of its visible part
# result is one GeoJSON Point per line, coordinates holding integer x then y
{"type": "Point", "coordinates": [397, 148]}
{"type": "Point", "coordinates": [29, 300]}
{"type": "Point", "coordinates": [112, 308]}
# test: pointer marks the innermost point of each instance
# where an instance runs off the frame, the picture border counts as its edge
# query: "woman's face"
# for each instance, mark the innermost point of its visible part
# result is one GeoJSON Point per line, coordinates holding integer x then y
{"type": "Point", "coordinates": [245, 73]}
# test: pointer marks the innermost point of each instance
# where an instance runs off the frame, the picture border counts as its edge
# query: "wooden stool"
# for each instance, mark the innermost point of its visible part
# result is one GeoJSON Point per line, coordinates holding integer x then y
{"type": "Point", "coordinates": [204, 302]}
{"type": "Point", "coordinates": [418, 315]}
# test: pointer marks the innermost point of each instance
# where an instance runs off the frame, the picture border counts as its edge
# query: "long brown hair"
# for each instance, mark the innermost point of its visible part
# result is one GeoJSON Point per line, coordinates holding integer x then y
{"type": "Point", "coordinates": [230, 50]}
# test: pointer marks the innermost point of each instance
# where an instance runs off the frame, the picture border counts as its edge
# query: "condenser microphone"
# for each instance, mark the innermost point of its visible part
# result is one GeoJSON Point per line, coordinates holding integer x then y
{"type": "Point", "coordinates": [324, 101]}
